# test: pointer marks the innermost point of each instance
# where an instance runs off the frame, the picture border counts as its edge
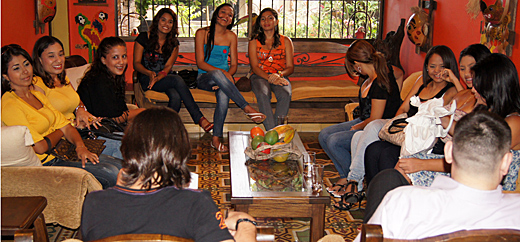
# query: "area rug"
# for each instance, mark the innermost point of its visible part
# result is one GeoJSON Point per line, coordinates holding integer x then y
{"type": "Point", "coordinates": [214, 176]}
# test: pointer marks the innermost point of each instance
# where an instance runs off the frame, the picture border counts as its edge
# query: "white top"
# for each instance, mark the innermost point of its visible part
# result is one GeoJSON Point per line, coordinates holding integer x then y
{"type": "Point", "coordinates": [415, 212]}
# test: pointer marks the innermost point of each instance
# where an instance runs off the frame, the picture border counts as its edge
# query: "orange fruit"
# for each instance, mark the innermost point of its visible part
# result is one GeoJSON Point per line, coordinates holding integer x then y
{"type": "Point", "coordinates": [256, 131]}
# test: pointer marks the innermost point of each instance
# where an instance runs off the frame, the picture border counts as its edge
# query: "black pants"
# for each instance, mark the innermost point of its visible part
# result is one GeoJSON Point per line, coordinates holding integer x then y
{"type": "Point", "coordinates": [382, 183]}
{"type": "Point", "coordinates": [380, 155]}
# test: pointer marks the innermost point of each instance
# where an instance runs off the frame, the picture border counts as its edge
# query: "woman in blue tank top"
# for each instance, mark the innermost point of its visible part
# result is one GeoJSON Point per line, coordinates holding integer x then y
{"type": "Point", "coordinates": [213, 46]}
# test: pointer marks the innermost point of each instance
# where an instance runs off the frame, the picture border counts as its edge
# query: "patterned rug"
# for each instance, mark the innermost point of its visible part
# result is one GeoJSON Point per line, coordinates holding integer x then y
{"type": "Point", "coordinates": [214, 176]}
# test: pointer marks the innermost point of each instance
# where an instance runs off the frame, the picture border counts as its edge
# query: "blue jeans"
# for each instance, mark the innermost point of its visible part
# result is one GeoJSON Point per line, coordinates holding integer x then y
{"type": "Point", "coordinates": [176, 90]}
{"type": "Point", "coordinates": [112, 147]}
{"type": "Point", "coordinates": [105, 171]}
{"type": "Point", "coordinates": [262, 89]}
{"type": "Point", "coordinates": [227, 90]}
{"type": "Point", "coordinates": [335, 141]}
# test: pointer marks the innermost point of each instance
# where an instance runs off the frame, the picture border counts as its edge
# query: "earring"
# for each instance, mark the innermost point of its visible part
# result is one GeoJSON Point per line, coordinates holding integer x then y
{"type": "Point", "coordinates": [359, 69]}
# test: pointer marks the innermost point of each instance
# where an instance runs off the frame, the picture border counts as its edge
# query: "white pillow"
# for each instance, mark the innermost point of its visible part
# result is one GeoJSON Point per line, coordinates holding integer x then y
{"type": "Point", "coordinates": [75, 74]}
{"type": "Point", "coordinates": [17, 147]}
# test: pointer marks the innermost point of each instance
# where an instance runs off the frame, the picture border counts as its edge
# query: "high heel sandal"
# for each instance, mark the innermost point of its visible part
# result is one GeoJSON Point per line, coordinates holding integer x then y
{"type": "Point", "coordinates": [349, 199]}
{"type": "Point", "coordinates": [332, 192]}
{"type": "Point", "coordinates": [207, 128]}
{"type": "Point", "coordinates": [255, 116]}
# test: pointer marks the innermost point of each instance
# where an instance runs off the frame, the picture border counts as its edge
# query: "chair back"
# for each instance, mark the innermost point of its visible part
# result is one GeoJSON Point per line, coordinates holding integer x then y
{"type": "Point", "coordinates": [144, 238]}
{"type": "Point", "coordinates": [374, 233]}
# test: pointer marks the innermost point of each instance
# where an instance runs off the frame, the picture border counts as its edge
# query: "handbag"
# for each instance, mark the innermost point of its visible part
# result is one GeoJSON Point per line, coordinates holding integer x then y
{"type": "Point", "coordinates": [189, 77]}
{"type": "Point", "coordinates": [107, 128]}
{"type": "Point", "coordinates": [244, 83]}
{"type": "Point", "coordinates": [392, 131]}
{"type": "Point", "coordinates": [67, 151]}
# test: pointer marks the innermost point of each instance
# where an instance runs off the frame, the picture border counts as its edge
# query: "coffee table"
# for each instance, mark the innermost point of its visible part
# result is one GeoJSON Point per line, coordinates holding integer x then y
{"type": "Point", "coordinates": [277, 204]}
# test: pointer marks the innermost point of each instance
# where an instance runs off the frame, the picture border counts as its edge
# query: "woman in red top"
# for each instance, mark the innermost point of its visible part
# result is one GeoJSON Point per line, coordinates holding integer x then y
{"type": "Point", "coordinates": [271, 57]}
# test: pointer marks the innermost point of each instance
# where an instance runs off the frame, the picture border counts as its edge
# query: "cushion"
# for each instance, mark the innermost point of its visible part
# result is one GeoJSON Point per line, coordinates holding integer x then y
{"type": "Point", "coordinates": [75, 74]}
{"type": "Point", "coordinates": [17, 147]}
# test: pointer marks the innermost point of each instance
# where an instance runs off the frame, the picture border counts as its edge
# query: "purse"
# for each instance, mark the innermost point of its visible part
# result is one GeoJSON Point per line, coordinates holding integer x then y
{"type": "Point", "coordinates": [392, 131]}
{"type": "Point", "coordinates": [67, 151]}
{"type": "Point", "coordinates": [107, 128]}
{"type": "Point", "coordinates": [244, 83]}
{"type": "Point", "coordinates": [189, 77]}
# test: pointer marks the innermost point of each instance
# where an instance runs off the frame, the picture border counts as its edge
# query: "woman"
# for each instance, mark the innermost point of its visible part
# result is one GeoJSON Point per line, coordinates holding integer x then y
{"type": "Point", "coordinates": [102, 89]}
{"type": "Point", "coordinates": [495, 85]}
{"type": "Point", "coordinates": [51, 79]}
{"type": "Point", "coordinates": [155, 52]}
{"type": "Point", "coordinates": [271, 58]}
{"type": "Point", "coordinates": [213, 46]}
{"type": "Point", "coordinates": [150, 197]}
{"type": "Point", "coordinates": [23, 105]}
{"type": "Point", "coordinates": [378, 98]}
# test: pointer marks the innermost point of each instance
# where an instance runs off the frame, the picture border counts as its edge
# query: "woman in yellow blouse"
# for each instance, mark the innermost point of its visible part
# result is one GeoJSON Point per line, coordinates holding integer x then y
{"type": "Point", "coordinates": [49, 67]}
{"type": "Point", "coordinates": [23, 105]}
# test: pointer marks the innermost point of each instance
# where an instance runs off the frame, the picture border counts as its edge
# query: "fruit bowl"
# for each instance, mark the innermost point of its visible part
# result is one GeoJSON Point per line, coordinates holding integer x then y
{"type": "Point", "coordinates": [277, 144]}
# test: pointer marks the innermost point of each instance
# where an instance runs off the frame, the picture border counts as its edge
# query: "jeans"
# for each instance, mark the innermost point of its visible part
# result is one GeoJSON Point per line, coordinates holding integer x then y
{"type": "Point", "coordinates": [105, 171]}
{"type": "Point", "coordinates": [113, 147]}
{"type": "Point", "coordinates": [359, 143]}
{"type": "Point", "coordinates": [177, 91]}
{"type": "Point", "coordinates": [227, 90]}
{"type": "Point", "coordinates": [262, 89]}
{"type": "Point", "coordinates": [335, 141]}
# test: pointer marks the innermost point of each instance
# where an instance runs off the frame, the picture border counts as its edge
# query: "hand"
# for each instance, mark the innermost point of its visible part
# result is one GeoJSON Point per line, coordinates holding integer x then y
{"type": "Point", "coordinates": [85, 155]}
{"type": "Point", "coordinates": [273, 77]}
{"type": "Point", "coordinates": [448, 76]}
{"type": "Point", "coordinates": [85, 119]}
{"type": "Point", "coordinates": [409, 165]}
{"type": "Point", "coordinates": [231, 220]}
{"type": "Point", "coordinates": [153, 79]}
{"type": "Point", "coordinates": [281, 82]}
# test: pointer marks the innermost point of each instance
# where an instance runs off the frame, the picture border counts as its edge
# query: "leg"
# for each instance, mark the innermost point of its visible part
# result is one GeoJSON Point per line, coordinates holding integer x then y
{"type": "Point", "coordinates": [379, 156]}
{"type": "Point", "coordinates": [112, 147]}
{"type": "Point", "coordinates": [283, 99]}
{"type": "Point", "coordinates": [382, 183]}
{"type": "Point", "coordinates": [359, 143]}
{"type": "Point", "coordinates": [184, 94]}
{"type": "Point", "coordinates": [262, 90]}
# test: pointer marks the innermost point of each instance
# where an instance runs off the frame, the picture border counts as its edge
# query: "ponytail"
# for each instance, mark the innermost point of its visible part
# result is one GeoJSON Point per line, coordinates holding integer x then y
{"type": "Point", "coordinates": [382, 70]}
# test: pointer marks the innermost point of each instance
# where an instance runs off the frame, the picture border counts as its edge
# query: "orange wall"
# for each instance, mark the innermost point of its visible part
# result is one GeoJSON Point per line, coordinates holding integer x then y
{"type": "Point", "coordinates": [452, 27]}
{"type": "Point", "coordinates": [17, 24]}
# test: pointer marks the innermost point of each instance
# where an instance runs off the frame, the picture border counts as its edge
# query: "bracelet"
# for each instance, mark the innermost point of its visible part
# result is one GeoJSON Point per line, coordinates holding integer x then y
{"type": "Point", "coordinates": [49, 144]}
{"type": "Point", "coordinates": [163, 72]}
{"type": "Point", "coordinates": [280, 73]}
{"type": "Point", "coordinates": [82, 146]}
{"type": "Point", "coordinates": [244, 220]}
{"type": "Point", "coordinates": [80, 106]}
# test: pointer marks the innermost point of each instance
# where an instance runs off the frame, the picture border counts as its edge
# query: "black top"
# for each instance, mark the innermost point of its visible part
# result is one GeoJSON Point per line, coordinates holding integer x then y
{"type": "Point", "coordinates": [184, 213]}
{"type": "Point", "coordinates": [100, 97]}
{"type": "Point", "coordinates": [413, 109]}
{"type": "Point", "coordinates": [152, 60]}
{"type": "Point", "coordinates": [393, 99]}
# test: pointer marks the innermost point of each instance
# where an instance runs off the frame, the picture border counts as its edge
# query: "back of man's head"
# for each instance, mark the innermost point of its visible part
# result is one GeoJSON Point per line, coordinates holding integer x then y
{"type": "Point", "coordinates": [480, 141]}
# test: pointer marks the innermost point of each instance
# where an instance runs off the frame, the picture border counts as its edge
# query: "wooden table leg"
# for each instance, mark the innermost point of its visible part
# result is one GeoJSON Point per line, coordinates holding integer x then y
{"type": "Point", "coordinates": [317, 229]}
{"type": "Point", "coordinates": [41, 229]}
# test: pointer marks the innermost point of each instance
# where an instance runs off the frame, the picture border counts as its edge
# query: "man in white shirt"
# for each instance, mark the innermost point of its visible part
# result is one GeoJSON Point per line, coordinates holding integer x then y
{"type": "Point", "coordinates": [471, 199]}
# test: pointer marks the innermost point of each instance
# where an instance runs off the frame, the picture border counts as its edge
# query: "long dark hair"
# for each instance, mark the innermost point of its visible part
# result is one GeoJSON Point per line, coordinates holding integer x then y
{"type": "Point", "coordinates": [155, 149]}
{"type": "Point", "coordinates": [364, 52]}
{"type": "Point", "coordinates": [98, 69]}
{"type": "Point", "coordinates": [258, 32]}
{"type": "Point", "coordinates": [448, 59]}
{"type": "Point", "coordinates": [211, 36]}
{"type": "Point", "coordinates": [39, 47]}
{"type": "Point", "coordinates": [171, 38]}
{"type": "Point", "coordinates": [477, 51]}
{"type": "Point", "coordinates": [496, 80]}
{"type": "Point", "coordinates": [8, 52]}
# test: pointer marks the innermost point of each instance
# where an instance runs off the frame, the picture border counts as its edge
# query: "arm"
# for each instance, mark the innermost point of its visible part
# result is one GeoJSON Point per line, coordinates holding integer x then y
{"type": "Point", "coordinates": [406, 102]}
{"type": "Point", "coordinates": [448, 76]}
{"type": "Point", "coordinates": [84, 118]}
{"type": "Point", "coordinates": [233, 49]}
{"type": "Point", "coordinates": [376, 112]}
{"type": "Point", "coordinates": [514, 124]}
{"type": "Point", "coordinates": [448, 96]}
{"type": "Point", "coordinates": [411, 165]}
{"type": "Point", "coordinates": [41, 146]}
{"type": "Point", "coordinates": [73, 136]}
{"type": "Point", "coordinates": [138, 55]}
{"type": "Point", "coordinates": [253, 60]}
{"type": "Point", "coordinates": [289, 57]}
{"type": "Point", "coordinates": [399, 77]}
{"type": "Point", "coordinates": [246, 231]}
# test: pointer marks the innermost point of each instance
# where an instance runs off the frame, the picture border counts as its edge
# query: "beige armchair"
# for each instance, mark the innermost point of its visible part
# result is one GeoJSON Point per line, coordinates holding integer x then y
{"type": "Point", "coordinates": [64, 187]}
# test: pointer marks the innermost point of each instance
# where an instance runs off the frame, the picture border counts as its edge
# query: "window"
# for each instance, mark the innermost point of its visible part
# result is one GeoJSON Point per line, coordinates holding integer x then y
{"type": "Point", "coordinates": [329, 19]}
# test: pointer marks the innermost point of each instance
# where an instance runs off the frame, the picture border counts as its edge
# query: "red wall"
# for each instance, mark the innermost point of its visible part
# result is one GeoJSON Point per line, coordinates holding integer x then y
{"type": "Point", "coordinates": [17, 24]}
{"type": "Point", "coordinates": [452, 27]}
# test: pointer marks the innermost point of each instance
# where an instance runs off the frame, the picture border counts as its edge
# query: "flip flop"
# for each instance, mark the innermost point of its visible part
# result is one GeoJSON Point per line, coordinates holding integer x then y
{"type": "Point", "coordinates": [208, 127]}
{"type": "Point", "coordinates": [220, 147]}
{"type": "Point", "coordinates": [255, 117]}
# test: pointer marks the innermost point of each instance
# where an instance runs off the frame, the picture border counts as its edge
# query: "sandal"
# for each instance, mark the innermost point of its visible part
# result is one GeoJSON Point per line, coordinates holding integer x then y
{"type": "Point", "coordinates": [349, 199]}
{"type": "Point", "coordinates": [208, 127]}
{"type": "Point", "coordinates": [333, 192]}
{"type": "Point", "coordinates": [256, 117]}
{"type": "Point", "coordinates": [220, 147]}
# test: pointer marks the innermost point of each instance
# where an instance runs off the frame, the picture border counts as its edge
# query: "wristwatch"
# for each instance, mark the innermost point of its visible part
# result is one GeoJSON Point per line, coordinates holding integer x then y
{"type": "Point", "coordinates": [244, 220]}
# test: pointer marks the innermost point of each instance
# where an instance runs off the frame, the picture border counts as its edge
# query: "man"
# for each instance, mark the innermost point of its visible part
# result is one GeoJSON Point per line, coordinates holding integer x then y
{"type": "Point", "coordinates": [471, 199]}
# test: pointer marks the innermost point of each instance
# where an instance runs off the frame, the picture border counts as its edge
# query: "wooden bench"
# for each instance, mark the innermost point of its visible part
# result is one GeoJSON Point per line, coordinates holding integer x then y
{"type": "Point", "coordinates": [320, 85]}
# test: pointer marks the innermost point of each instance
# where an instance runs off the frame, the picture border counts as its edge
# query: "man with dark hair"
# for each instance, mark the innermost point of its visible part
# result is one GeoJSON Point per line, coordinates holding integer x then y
{"type": "Point", "coordinates": [471, 199]}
